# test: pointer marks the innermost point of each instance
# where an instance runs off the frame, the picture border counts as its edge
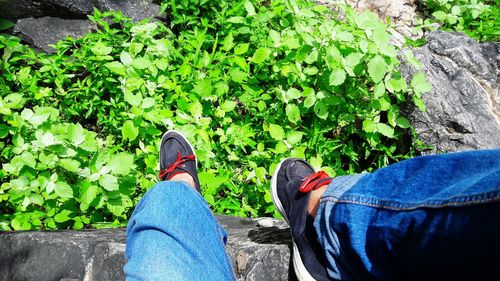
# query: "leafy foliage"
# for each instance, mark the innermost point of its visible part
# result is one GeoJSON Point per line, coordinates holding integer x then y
{"type": "Point", "coordinates": [476, 18]}
{"type": "Point", "coordinates": [248, 82]}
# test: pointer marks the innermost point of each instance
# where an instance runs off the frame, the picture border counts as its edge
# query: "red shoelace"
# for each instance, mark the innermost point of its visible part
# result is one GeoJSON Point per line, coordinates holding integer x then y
{"type": "Point", "coordinates": [170, 168]}
{"type": "Point", "coordinates": [315, 181]}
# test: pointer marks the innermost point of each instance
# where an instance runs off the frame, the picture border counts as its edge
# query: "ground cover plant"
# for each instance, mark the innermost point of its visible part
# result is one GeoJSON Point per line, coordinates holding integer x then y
{"type": "Point", "coordinates": [476, 18]}
{"type": "Point", "coordinates": [248, 82]}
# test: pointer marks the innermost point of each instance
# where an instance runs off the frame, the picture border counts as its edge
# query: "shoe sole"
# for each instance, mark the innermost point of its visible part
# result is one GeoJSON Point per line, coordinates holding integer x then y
{"type": "Point", "coordinates": [183, 136]}
{"type": "Point", "coordinates": [298, 265]}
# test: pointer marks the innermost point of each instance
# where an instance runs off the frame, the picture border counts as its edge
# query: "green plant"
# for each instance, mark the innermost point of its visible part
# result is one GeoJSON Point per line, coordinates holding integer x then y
{"type": "Point", "coordinates": [476, 18]}
{"type": "Point", "coordinates": [248, 82]}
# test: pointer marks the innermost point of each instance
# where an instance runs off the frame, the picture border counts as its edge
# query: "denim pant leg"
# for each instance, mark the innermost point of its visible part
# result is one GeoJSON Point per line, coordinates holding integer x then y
{"type": "Point", "coordinates": [172, 235]}
{"type": "Point", "coordinates": [427, 218]}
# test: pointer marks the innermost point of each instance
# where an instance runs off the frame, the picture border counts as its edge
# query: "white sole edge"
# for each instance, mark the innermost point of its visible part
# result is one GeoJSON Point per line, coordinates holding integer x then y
{"type": "Point", "coordinates": [298, 265]}
{"type": "Point", "coordinates": [182, 135]}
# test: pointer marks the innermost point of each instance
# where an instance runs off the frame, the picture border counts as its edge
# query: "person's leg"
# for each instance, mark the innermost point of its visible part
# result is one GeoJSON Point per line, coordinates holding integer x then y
{"type": "Point", "coordinates": [427, 218]}
{"type": "Point", "coordinates": [172, 235]}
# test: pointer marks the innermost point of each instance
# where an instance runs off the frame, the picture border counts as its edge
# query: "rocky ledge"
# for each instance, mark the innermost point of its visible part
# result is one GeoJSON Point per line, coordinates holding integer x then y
{"type": "Point", "coordinates": [463, 107]}
{"type": "Point", "coordinates": [259, 249]}
{"type": "Point", "coordinates": [43, 23]}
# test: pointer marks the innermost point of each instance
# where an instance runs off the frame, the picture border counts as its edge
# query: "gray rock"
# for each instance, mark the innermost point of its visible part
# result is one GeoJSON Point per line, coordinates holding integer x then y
{"type": "Point", "coordinates": [257, 253]}
{"type": "Point", "coordinates": [15, 9]}
{"type": "Point", "coordinates": [41, 32]}
{"type": "Point", "coordinates": [135, 9]}
{"type": "Point", "coordinates": [463, 108]}
{"type": "Point", "coordinates": [45, 22]}
{"type": "Point", "coordinates": [76, 9]}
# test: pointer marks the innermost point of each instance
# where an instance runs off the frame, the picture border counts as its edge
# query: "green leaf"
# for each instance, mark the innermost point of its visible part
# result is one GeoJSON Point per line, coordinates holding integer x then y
{"type": "Point", "coordinates": [126, 58]}
{"type": "Point", "coordinates": [292, 94]}
{"type": "Point", "coordinates": [353, 59]}
{"type": "Point", "coordinates": [345, 36]}
{"type": "Point", "coordinates": [419, 103]}
{"type": "Point", "coordinates": [276, 132]}
{"type": "Point", "coordinates": [260, 55]}
{"type": "Point", "coordinates": [228, 42]}
{"type": "Point", "coordinates": [133, 99]}
{"type": "Point", "coordinates": [63, 216]}
{"type": "Point", "coordinates": [76, 134]}
{"type": "Point", "coordinates": [228, 106]}
{"type": "Point", "coordinates": [290, 42]}
{"type": "Point", "coordinates": [116, 206]}
{"type": "Point", "coordinates": [369, 126]}
{"type": "Point", "coordinates": [100, 49]}
{"type": "Point", "coordinates": [141, 63]}
{"type": "Point", "coordinates": [337, 77]}
{"type": "Point", "coordinates": [48, 139]}
{"type": "Point", "coordinates": [36, 119]}
{"type": "Point", "coordinates": [310, 100]}
{"type": "Point", "coordinates": [311, 71]}
{"type": "Point", "coordinates": [237, 75]}
{"type": "Point", "coordinates": [403, 122]}
{"type": "Point", "coordinates": [121, 163]}
{"type": "Point", "coordinates": [63, 190]}
{"type": "Point", "coordinates": [321, 110]}
{"type": "Point", "coordinates": [334, 55]}
{"type": "Point", "coordinates": [116, 67]}
{"type": "Point", "coordinates": [385, 130]}
{"type": "Point", "coordinates": [4, 130]}
{"type": "Point", "coordinates": [396, 85]}
{"type": "Point", "coordinates": [88, 193]}
{"type": "Point", "coordinates": [419, 83]}
{"type": "Point", "coordinates": [378, 90]}
{"type": "Point", "coordinates": [275, 36]}
{"type": "Point", "coordinates": [148, 103]}
{"type": "Point", "coordinates": [109, 182]}
{"type": "Point", "coordinates": [293, 113]}
{"type": "Point", "coordinates": [384, 103]}
{"type": "Point", "coordinates": [90, 144]}
{"type": "Point", "coordinates": [440, 15]}
{"type": "Point", "coordinates": [249, 7]}
{"type": "Point", "coordinates": [5, 24]}
{"type": "Point", "coordinates": [36, 199]}
{"type": "Point", "coordinates": [129, 131]}
{"type": "Point", "coordinates": [377, 68]}
{"type": "Point", "coordinates": [241, 49]}
{"type": "Point", "coordinates": [203, 88]}
{"type": "Point", "coordinates": [294, 137]}
{"type": "Point", "coordinates": [70, 165]}
{"type": "Point", "coordinates": [28, 159]}
{"type": "Point", "coordinates": [196, 109]}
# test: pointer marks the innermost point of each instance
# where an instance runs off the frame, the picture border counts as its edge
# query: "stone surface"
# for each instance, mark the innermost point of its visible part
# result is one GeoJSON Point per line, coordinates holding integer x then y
{"type": "Point", "coordinates": [45, 22]}
{"type": "Point", "coordinates": [463, 108]}
{"type": "Point", "coordinates": [76, 9]}
{"type": "Point", "coordinates": [259, 249]}
{"type": "Point", "coordinates": [134, 9]}
{"type": "Point", "coordinates": [41, 32]}
{"type": "Point", "coordinates": [15, 9]}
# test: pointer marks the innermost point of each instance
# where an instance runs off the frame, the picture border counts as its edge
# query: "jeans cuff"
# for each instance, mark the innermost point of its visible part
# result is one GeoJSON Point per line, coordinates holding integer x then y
{"type": "Point", "coordinates": [339, 186]}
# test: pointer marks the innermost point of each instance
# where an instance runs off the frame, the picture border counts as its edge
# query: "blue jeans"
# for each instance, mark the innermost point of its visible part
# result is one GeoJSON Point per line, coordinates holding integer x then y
{"type": "Point", "coordinates": [427, 218]}
{"type": "Point", "coordinates": [432, 217]}
{"type": "Point", "coordinates": [173, 235]}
